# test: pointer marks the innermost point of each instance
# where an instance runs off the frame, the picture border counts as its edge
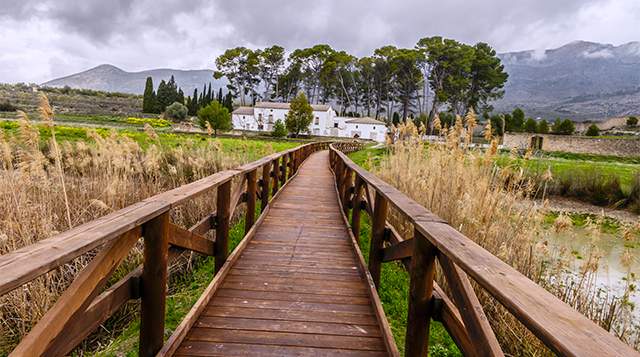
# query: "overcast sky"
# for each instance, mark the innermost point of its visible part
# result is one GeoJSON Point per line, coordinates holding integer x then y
{"type": "Point", "coordinates": [44, 39]}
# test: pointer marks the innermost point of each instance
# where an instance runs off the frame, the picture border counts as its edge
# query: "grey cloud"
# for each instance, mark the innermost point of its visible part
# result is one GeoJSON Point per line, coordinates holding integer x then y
{"type": "Point", "coordinates": [138, 34]}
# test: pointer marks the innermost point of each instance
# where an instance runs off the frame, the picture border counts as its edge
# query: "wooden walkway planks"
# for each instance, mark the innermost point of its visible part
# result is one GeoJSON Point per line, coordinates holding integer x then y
{"type": "Point", "coordinates": [298, 288]}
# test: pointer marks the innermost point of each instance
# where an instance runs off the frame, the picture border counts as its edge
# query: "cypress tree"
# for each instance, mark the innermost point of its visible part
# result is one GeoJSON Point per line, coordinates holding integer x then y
{"type": "Point", "coordinates": [209, 95]}
{"type": "Point", "coordinates": [164, 96]}
{"type": "Point", "coordinates": [149, 98]}
{"type": "Point", "coordinates": [180, 96]}
{"type": "Point", "coordinates": [228, 102]}
{"type": "Point", "coordinates": [220, 95]}
{"type": "Point", "coordinates": [193, 109]}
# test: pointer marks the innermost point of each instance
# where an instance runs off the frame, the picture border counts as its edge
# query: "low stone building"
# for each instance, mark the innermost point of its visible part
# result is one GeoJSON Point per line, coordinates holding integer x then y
{"type": "Point", "coordinates": [575, 144]}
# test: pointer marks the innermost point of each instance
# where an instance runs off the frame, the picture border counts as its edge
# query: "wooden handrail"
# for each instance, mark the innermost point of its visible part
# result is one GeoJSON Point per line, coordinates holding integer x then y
{"type": "Point", "coordinates": [81, 308]}
{"type": "Point", "coordinates": [560, 327]}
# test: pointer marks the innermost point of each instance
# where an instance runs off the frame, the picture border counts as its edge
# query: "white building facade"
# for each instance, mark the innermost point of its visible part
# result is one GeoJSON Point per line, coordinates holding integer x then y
{"type": "Point", "coordinates": [263, 116]}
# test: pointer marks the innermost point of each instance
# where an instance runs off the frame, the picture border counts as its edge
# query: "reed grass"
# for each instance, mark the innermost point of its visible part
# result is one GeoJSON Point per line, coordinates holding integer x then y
{"type": "Point", "coordinates": [48, 186]}
{"type": "Point", "coordinates": [490, 205]}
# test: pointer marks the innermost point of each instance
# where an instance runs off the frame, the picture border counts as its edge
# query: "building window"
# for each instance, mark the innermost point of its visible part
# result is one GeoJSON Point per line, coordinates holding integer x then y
{"type": "Point", "coordinates": [270, 118]}
{"type": "Point", "coordinates": [374, 128]}
{"type": "Point", "coordinates": [260, 117]}
{"type": "Point", "coordinates": [317, 121]}
{"type": "Point", "coordinates": [260, 126]}
{"type": "Point", "coordinates": [356, 127]}
{"type": "Point", "coordinates": [335, 125]}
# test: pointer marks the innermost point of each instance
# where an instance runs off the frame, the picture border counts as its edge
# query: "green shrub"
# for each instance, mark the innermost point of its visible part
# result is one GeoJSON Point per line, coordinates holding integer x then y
{"type": "Point", "coordinates": [530, 126]}
{"type": "Point", "coordinates": [7, 107]}
{"type": "Point", "coordinates": [543, 127]}
{"type": "Point", "coordinates": [176, 112]}
{"type": "Point", "coordinates": [632, 121]}
{"type": "Point", "coordinates": [633, 202]}
{"type": "Point", "coordinates": [563, 127]}
{"type": "Point", "coordinates": [279, 130]}
{"type": "Point", "coordinates": [591, 186]}
{"type": "Point", "coordinates": [593, 130]}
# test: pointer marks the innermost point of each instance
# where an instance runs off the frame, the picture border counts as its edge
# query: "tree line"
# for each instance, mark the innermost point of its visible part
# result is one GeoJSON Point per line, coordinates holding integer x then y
{"type": "Point", "coordinates": [516, 122]}
{"type": "Point", "coordinates": [168, 94]}
{"type": "Point", "coordinates": [436, 74]}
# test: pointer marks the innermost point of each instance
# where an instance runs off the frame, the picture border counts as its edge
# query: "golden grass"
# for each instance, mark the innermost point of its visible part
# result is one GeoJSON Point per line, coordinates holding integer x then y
{"type": "Point", "coordinates": [46, 188]}
{"type": "Point", "coordinates": [490, 205]}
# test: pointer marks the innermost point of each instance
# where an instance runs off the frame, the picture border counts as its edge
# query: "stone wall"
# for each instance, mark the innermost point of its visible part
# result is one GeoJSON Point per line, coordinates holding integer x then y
{"type": "Point", "coordinates": [575, 144]}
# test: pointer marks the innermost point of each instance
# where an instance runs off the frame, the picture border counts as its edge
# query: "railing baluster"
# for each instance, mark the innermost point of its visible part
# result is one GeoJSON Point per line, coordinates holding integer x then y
{"type": "Point", "coordinates": [419, 314]}
{"type": "Point", "coordinates": [346, 190]}
{"type": "Point", "coordinates": [264, 189]}
{"type": "Point", "coordinates": [251, 200]}
{"type": "Point", "coordinates": [154, 284]}
{"type": "Point", "coordinates": [275, 174]}
{"type": "Point", "coordinates": [355, 210]}
{"type": "Point", "coordinates": [377, 237]}
{"type": "Point", "coordinates": [283, 169]}
{"type": "Point", "coordinates": [223, 201]}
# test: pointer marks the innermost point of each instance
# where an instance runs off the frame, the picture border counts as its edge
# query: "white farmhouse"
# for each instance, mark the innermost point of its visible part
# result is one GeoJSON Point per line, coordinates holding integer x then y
{"type": "Point", "coordinates": [365, 128]}
{"type": "Point", "coordinates": [264, 115]}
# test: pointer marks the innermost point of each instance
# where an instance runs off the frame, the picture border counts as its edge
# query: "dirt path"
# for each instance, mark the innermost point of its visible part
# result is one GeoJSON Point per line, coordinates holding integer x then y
{"type": "Point", "coordinates": [563, 204]}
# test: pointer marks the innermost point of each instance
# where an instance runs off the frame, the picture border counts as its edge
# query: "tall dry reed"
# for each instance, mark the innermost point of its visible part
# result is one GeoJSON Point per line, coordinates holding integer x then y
{"type": "Point", "coordinates": [490, 205]}
{"type": "Point", "coordinates": [46, 187]}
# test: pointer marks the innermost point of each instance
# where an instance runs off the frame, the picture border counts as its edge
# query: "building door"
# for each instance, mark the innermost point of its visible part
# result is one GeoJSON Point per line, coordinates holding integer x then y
{"type": "Point", "coordinates": [536, 143]}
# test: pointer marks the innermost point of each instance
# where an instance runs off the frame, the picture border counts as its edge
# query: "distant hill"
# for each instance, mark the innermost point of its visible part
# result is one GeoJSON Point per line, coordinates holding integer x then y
{"type": "Point", "coordinates": [113, 79]}
{"type": "Point", "coordinates": [580, 80]}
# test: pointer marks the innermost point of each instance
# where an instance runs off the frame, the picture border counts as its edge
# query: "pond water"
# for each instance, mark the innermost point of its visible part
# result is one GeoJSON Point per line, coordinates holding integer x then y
{"type": "Point", "coordinates": [611, 271]}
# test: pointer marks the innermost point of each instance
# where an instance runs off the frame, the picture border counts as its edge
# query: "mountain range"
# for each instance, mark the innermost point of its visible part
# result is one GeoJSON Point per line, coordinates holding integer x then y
{"type": "Point", "coordinates": [580, 80]}
{"type": "Point", "coordinates": [110, 78]}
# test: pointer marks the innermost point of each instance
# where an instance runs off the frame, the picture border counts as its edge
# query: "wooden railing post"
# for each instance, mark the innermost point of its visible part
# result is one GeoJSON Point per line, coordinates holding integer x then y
{"type": "Point", "coordinates": [377, 237]}
{"type": "Point", "coordinates": [153, 285]}
{"type": "Point", "coordinates": [223, 202]}
{"type": "Point", "coordinates": [251, 200]}
{"type": "Point", "coordinates": [275, 173]}
{"type": "Point", "coordinates": [355, 210]}
{"type": "Point", "coordinates": [422, 272]}
{"type": "Point", "coordinates": [290, 165]}
{"type": "Point", "coordinates": [264, 188]}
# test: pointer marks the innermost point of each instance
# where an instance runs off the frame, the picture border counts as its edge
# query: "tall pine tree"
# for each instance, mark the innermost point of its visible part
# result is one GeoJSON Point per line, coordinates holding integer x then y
{"type": "Point", "coordinates": [220, 95]}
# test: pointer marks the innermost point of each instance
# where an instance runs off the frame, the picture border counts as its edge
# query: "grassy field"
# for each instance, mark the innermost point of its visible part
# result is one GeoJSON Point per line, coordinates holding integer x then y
{"type": "Point", "coordinates": [563, 165]}
{"type": "Point", "coordinates": [165, 140]}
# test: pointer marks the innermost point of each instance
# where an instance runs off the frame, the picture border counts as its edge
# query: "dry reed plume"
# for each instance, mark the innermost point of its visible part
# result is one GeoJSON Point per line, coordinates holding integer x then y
{"type": "Point", "coordinates": [489, 205]}
{"type": "Point", "coordinates": [47, 187]}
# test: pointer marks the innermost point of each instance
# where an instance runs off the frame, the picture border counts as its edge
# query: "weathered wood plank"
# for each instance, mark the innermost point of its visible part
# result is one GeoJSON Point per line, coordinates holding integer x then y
{"type": "Point", "coordinates": [223, 218]}
{"type": "Point", "coordinates": [77, 296]}
{"type": "Point", "coordinates": [420, 312]}
{"type": "Point", "coordinates": [153, 287]}
{"type": "Point", "coordinates": [478, 327]}
{"type": "Point", "coordinates": [186, 239]}
{"type": "Point", "coordinates": [398, 251]}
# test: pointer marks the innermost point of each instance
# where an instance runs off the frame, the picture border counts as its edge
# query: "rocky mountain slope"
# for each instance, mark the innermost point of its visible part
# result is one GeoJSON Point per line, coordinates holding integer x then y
{"type": "Point", "coordinates": [580, 80]}
{"type": "Point", "coordinates": [113, 79]}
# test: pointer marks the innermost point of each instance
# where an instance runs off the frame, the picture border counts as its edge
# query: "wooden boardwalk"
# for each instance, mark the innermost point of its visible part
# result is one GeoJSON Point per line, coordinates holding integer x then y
{"type": "Point", "coordinates": [297, 284]}
{"type": "Point", "coordinates": [298, 288]}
